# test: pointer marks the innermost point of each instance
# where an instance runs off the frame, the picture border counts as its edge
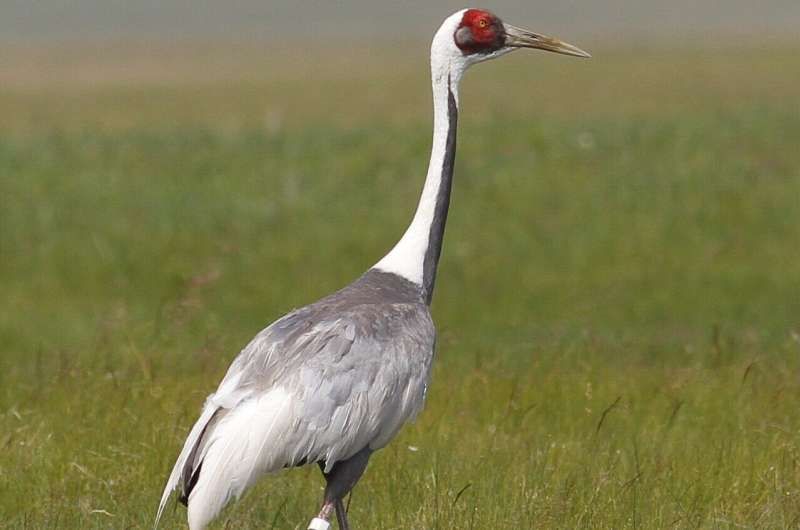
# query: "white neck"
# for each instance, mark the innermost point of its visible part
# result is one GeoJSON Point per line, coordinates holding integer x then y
{"type": "Point", "coordinates": [416, 255]}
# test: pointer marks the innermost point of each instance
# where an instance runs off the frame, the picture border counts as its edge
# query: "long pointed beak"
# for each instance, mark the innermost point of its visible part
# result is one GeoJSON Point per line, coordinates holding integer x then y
{"type": "Point", "coordinates": [522, 38]}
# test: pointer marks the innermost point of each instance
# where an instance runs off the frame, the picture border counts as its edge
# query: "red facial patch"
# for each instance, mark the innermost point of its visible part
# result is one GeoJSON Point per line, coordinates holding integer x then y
{"type": "Point", "coordinates": [479, 32]}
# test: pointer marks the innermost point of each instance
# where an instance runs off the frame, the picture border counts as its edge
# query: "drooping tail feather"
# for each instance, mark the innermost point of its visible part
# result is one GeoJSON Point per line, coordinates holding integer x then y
{"type": "Point", "coordinates": [227, 451]}
{"type": "Point", "coordinates": [185, 463]}
{"type": "Point", "coordinates": [240, 447]}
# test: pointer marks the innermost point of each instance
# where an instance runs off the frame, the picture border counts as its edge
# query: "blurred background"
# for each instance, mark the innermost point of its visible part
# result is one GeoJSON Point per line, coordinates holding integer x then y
{"type": "Point", "coordinates": [619, 294]}
{"type": "Point", "coordinates": [89, 19]}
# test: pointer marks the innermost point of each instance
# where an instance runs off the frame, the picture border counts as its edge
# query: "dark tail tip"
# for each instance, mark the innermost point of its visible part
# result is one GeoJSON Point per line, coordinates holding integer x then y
{"type": "Point", "coordinates": [189, 486]}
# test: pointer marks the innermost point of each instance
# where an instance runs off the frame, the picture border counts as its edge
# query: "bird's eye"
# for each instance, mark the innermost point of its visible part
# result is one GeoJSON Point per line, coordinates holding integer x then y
{"type": "Point", "coordinates": [482, 23]}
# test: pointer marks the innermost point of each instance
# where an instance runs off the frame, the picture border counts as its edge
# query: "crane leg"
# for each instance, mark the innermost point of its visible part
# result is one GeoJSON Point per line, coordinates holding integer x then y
{"type": "Point", "coordinates": [341, 515]}
{"type": "Point", "coordinates": [340, 480]}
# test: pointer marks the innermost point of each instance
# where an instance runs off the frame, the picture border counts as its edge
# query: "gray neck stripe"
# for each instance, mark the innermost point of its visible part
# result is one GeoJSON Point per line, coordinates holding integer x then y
{"type": "Point", "coordinates": [436, 235]}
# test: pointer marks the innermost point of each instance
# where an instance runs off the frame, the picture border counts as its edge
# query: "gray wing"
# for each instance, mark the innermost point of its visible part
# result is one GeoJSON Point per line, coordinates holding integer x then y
{"type": "Point", "coordinates": [307, 388]}
{"type": "Point", "coordinates": [354, 379]}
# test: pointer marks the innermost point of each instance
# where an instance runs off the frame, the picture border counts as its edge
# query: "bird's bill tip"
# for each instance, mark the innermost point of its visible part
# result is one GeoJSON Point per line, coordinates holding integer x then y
{"type": "Point", "coordinates": [522, 38]}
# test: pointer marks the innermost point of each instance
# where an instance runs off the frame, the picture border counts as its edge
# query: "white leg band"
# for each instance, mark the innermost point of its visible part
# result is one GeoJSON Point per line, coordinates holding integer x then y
{"type": "Point", "coordinates": [318, 524]}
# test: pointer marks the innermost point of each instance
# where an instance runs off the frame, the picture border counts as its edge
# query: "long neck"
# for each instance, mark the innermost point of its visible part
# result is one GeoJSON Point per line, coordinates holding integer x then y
{"type": "Point", "coordinates": [416, 255]}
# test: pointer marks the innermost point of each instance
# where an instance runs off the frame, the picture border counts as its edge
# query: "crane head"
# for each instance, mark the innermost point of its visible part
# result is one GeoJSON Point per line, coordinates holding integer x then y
{"type": "Point", "coordinates": [480, 35]}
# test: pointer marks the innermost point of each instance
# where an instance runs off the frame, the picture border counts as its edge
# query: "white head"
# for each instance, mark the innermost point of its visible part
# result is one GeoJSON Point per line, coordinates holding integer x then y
{"type": "Point", "coordinates": [471, 36]}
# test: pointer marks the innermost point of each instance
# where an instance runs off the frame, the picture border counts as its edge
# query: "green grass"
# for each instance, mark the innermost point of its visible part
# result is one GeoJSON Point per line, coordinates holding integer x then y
{"type": "Point", "coordinates": [618, 300]}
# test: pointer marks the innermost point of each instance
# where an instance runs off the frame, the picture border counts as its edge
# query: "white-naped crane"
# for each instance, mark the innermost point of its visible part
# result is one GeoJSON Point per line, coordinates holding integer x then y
{"type": "Point", "coordinates": [334, 381]}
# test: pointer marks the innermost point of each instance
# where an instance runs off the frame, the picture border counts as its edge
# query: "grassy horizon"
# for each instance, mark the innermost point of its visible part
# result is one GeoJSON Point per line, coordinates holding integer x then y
{"type": "Point", "coordinates": [618, 302]}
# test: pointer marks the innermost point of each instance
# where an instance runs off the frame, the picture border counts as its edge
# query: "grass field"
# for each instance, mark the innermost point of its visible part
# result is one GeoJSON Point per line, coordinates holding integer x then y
{"type": "Point", "coordinates": [618, 300]}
